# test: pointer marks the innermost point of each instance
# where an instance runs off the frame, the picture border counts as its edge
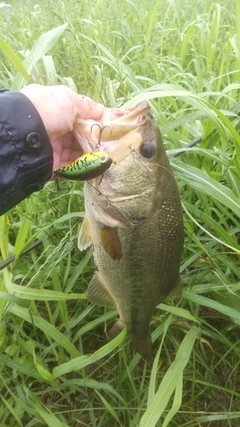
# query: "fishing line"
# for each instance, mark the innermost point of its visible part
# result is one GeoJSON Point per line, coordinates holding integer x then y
{"type": "Point", "coordinates": [193, 143]}
{"type": "Point", "coordinates": [32, 246]}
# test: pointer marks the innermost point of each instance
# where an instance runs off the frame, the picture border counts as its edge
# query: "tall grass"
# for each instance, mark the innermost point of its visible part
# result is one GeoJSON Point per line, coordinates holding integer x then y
{"type": "Point", "coordinates": [56, 366]}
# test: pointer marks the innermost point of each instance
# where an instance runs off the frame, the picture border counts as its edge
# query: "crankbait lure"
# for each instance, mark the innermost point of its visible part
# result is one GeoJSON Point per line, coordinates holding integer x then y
{"type": "Point", "coordinates": [88, 166]}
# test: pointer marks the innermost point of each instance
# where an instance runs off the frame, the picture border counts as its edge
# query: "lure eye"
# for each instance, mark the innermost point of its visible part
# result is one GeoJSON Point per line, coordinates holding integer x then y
{"type": "Point", "coordinates": [148, 150]}
{"type": "Point", "coordinates": [103, 159]}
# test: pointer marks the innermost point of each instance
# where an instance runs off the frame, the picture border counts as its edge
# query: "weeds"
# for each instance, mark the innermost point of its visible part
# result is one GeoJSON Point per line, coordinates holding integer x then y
{"type": "Point", "coordinates": [57, 368]}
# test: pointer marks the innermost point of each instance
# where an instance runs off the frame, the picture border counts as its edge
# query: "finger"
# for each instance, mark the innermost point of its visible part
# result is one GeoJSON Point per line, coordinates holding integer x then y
{"type": "Point", "coordinates": [86, 108]}
{"type": "Point", "coordinates": [65, 150]}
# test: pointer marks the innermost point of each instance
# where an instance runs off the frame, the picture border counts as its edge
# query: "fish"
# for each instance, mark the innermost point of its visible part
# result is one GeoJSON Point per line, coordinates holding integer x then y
{"type": "Point", "coordinates": [133, 220]}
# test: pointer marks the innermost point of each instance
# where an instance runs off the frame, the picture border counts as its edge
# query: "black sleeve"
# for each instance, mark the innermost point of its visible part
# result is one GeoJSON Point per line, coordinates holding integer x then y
{"type": "Point", "coordinates": [26, 155]}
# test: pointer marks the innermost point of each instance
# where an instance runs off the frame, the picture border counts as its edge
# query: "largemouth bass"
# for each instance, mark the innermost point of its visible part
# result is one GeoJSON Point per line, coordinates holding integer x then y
{"type": "Point", "coordinates": [133, 220]}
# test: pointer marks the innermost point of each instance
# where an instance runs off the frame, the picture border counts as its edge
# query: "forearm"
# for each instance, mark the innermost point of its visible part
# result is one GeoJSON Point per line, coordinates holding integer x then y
{"type": "Point", "coordinates": [26, 155]}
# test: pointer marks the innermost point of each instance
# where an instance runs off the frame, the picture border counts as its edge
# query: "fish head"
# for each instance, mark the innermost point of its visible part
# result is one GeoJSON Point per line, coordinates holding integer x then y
{"type": "Point", "coordinates": [120, 132]}
{"type": "Point", "coordinates": [126, 193]}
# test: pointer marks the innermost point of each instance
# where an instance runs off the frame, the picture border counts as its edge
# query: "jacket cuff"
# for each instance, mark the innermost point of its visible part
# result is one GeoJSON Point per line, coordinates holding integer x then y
{"type": "Point", "coordinates": [26, 155]}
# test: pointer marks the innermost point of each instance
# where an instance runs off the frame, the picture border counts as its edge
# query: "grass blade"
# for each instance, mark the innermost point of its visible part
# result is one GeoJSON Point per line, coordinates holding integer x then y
{"type": "Point", "coordinates": [207, 302]}
{"type": "Point", "coordinates": [200, 180]}
{"type": "Point", "coordinates": [169, 382]}
{"type": "Point", "coordinates": [47, 328]}
{"type": "Point", "coordinates": [41, 47]}
{"type": "Point", "coordinates": [83, 361]}
{"type": "Point", "coordinates": [14, 58]}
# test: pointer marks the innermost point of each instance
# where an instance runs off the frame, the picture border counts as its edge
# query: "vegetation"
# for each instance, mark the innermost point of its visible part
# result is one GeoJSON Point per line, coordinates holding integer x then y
{"type": "Point", "coordinates": [56, 366]}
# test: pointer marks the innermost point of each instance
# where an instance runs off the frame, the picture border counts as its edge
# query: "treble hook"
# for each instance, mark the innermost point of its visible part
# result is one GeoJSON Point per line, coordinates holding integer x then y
{"type": "Point", "coordinates": [100, 133]}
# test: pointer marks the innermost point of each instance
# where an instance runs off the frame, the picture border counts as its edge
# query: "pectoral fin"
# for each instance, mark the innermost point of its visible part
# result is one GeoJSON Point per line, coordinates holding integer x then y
{"type": "Point", "coordinates": [84, 238]}
{"type": "Point", "coordinates": [98, 294]}
{"type": "Point", "coordinates": [110, 242]}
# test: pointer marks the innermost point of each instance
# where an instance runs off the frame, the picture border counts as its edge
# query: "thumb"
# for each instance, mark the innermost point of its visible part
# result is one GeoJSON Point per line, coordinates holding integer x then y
{"type": "Point", "coordinates": [86, 108]}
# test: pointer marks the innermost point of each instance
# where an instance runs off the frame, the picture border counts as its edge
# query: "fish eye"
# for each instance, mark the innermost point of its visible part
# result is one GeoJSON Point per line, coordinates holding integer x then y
{"type": "Point", "coordinates": [148, 150]}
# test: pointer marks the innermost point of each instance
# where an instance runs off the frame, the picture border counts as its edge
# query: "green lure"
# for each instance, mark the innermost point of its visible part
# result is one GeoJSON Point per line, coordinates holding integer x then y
{"type": "Point", "coordinates": [88, 166]}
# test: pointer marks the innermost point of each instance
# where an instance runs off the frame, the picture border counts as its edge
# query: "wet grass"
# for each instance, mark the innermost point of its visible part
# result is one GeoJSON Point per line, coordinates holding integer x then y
{"type": "Point", "coordinates": [56, 366]}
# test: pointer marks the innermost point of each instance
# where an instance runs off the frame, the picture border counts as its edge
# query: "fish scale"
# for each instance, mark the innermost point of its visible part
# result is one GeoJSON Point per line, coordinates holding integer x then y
{"type": "Point", "coordinates": [134, 222]}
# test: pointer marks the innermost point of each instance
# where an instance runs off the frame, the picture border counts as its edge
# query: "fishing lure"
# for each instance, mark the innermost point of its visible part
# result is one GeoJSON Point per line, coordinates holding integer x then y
{"type": "Point", "coordinates": [101, 129]}
{"type": "Point", "coordinates": [88, 166]}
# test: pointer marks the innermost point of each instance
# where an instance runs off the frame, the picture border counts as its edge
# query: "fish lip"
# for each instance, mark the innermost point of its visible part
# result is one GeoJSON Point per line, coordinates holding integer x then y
{"type": "Point", "coordinates": [119, 113]}
{"type": "Point", "coordinates": [127, 120]}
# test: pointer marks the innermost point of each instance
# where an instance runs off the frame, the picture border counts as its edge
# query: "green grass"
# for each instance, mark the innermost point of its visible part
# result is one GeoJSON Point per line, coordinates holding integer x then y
{"type": "Point", "coordinates": [56, 366]}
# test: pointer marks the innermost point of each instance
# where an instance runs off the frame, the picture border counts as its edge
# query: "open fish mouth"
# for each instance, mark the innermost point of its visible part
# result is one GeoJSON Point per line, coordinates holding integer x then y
{"type": "Point", "coordinates": [116, 133]}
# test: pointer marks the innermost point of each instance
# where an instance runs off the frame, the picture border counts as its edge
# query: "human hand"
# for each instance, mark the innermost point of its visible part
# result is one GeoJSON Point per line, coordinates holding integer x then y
{"type": "Point", "coordinates": [58, 107]}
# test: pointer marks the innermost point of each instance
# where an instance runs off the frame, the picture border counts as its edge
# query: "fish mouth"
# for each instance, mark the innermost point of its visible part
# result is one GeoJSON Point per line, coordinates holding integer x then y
{"type": "Point", "coordinates": [118, 131]}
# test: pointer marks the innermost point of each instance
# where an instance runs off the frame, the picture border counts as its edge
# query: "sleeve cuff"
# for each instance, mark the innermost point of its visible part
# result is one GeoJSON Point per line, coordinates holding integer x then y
{"type": "Point", "coordinates": [26, 155]}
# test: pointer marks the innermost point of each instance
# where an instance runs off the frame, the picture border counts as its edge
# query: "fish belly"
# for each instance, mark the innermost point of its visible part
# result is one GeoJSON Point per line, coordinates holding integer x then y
{"type": "Point", "coordinates": [142, 274]}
